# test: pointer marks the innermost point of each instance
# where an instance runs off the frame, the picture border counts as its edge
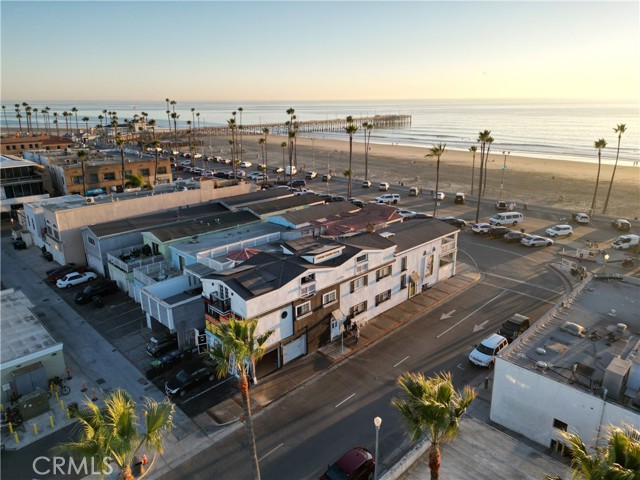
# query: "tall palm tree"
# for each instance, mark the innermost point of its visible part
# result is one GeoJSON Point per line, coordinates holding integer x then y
{"type": "Point", "coordinates": [35, 114]}
{"type": "Point", "coordinates": [367, 127]}
{"type": "Point", "coordinates": [55, 121]}
{"type": "Point", "coordinates": [432, 406]}
{"type": "Point", "coordinates": [598, 145]}
{"type": "Point", "coordinates": [240, 129]}
{"type": "Point", "coordinates": [473, 149]}
{"type": "Point", "coordinates": [239, 348]}
{"type": "Point", "coordinates": [291, 136]}
{"type": "Point", "coordinates": [86, 123]}
{"type": "Point", "coordinates": [231, 123]}
{"type": "Point", "coordinates": [486, 164]}
{"type": "Point", "coordinates": [47, 109]}
{"type": "Point", "coordinates": [19, 117]}
{"type": "Point", "coordinates": [75, 111]}
{"type": "Point", "coordinates": [283, 145]}
{"type": "Point", "coordinates": [4, 111]}
{"type": "Point", "coordinates": [111, 433]}
{"type": "Point", "coordinates": [120, 144]}
{"type": "Point", "coordinates": [265, 131]}
{"type": "Point", "coordinates": [619, 459]}
{"type": "Point", "coordinates": [193, 116]}
{"type": "Point", "coordinates": [193, 160]}
{"type": "Point", "coordinates": [619, 129]}
{"type": "Point", "coordinates": [27, 112]}
{"type": "Point", "coordinates": [351, 129]}
{"type": "Point", "coordinates": [82, 156]}
{"type": "Point", "coordinates": [198, 117]}
{"type": "Point", "coordinates": [175, 117]}
{"type": "Point", "coordinates": [483, 139]}
{"type": "Point", "coordinates": [436, 151]}
{"type": "Point", "coordinates": [66, 114]}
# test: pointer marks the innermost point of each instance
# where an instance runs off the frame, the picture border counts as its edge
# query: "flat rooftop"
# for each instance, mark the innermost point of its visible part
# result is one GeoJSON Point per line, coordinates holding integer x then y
{"type": "Point", "coordinates": [22, 332]}
{"type": "Point", "coordinates": [607, 309]}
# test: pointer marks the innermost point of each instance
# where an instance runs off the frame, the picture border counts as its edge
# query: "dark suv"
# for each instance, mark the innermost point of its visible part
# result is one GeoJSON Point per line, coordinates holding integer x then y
{"type": "Point", "coordinates": [514, 327]}
{"type": "Point", "coordinates": [96, 289]}
{"type": "Point", "coordinates": [188, 378]}
{"type": "Point", "coordinates": [159, 344]}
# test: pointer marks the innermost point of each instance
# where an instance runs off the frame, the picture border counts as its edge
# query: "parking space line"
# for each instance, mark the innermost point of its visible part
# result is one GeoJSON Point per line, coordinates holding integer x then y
{"type": "Point", "coordinates": [401, 361]}
{"type": "Point", "coordinates": [270, 452]}
{"type": "Point", "coordinates": [352, 395]}
{"type": "Point", "coordinates": [207, 390]}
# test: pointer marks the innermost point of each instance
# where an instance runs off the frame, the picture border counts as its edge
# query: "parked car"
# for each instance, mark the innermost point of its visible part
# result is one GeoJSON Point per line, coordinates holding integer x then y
{"type": "Point", "coordinates": [338, 198]}
{"type": "Point", "coordinates": [498, 232]}
{"type": "Point", "coordinates": [388, 198]}
{"type": "Point", "coordinates": [582, 218]}
{"type": "Point", "coordinates": [621, 225]}
{"type": "Point", "coordinates": [513, 236]}
{"type": "Point", "coordinates": [559, 231]}
{"type": "Point", "coordinates": [502, 205]}
{"type": "Point", "coordinates": [481, 228]}
{"type": "Point", "coordinates": [188, 378]}
{"type": "Point", "coordinates": [19, 244]}
{"type": "Point", "coordinates": [514, 327]}
{"type": "Point", "coordinates": [310, 175]}
{"type": "Point", "coordinates": [245, 164]}
{"type": "Point", "coordinates": [325, 196]}
{"type": "Point", "coordinates": [297, 183]}
{"type": "Point", "coordinates": [58, 273]}
{"type": "Point", "coordinates": [456, 222]}
{"type": "Point", "coordinates": [358, 203]}
{"type": "Point", "coordinates": [75, 278]}
{"type": "Point", "coordinates": [423, 215]}
{"type": "Point", "coordinates": [356, 464]}
{"type": "Point", "coordinates": [161, 343]}
{"type": "Point", "coordinates": [460, 198]}
{"type": "Point", "coordinates": [366, 184]}
{"type": "Point", "coordinates": [536, 241]}
{"type": "Point", "coordinates": [414, 191]}
{"type": "Point", "coordinates": [484, 354]}
{"type": "Point", "coordinates": [406, 213]}
{"type": "Point", "coordinates": [625, 242]}
{"type": "Point", "coordinates": [96, 289]}
{"type": "Point", "coordinates": [197, 155]}
{"type": "Point", "coordinates": [278, 170]}
{"type": "Point", "coordinates": [383, 187]}
{"type": "Point", "coordinates": [439, 196]}
{"type": "Point", "coordinates": [303, 191]}
{"type": "Point", "coordinates": [327, 177]}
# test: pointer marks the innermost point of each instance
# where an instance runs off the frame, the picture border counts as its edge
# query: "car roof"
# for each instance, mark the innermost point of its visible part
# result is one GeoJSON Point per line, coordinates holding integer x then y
{"type": "Point", "coordinates": [353, 459]}
{"type": "Point", "coordinates": [561, 226]}
{"type": "Point", "coordinates": [493, 340]}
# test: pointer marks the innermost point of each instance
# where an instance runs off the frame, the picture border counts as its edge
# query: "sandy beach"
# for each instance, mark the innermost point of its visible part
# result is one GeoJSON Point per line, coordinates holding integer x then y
{"type": "Point", "coordinates": [556, 183]}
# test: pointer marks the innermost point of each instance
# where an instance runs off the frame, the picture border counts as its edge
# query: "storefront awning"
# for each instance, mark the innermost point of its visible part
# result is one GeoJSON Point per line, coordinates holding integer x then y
{"type": "Point", "coordinates": [415, 277]}
{"type": "Point", "coordinates": [337, 314]}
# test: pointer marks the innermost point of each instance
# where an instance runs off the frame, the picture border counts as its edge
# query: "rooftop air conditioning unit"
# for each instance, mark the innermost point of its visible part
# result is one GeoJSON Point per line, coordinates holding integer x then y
{"type": "Point", "coordinates": [91, 200]}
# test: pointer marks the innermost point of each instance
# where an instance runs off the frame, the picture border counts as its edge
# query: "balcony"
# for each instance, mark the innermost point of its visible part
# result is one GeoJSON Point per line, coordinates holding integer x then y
{"type": "Point", "coordinates": [307, 289]}
{"type": "Point", "coordinates": [130, 258]}
{"type": "Point", "coordinates": [218, 306]}
{"type": "Point", "coordinates": [448, 247]}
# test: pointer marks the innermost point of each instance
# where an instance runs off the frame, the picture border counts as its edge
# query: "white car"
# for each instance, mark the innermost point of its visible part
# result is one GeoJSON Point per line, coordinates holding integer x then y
{"type": "Point", "coordinates": [481, 228]}
{"type": "Point", "coordinates": [484, 355]}
{"type": "Point", "coordinates": [75, 278]}
{"type": "Point", "coordinates": [625, 242]}
{"type": "Point", "coordinates": [311, 175]}
{"type": "Point", "coordinates": [388, 198]}
{"type": "Point", "coordinates": [536, 241]}
{"type": "Point", "coordinates": [383, 187]}
{"type": "Point", "coordinates": [208, 173]}
{"type": "Point", "coordinates": [559, 231]}
{"type": "Point", "coordinates": [245, 164]}
{"type": "Point", "coordinates": [439, 196]}
{"type": "Point", "coordinates": [197, 155]}
{"type": "Point", "coordinates": [406, 213]}
{"type": "Point", "coordinates": [303, 191]}
{"type": "Point", "coordinates": [366, 184]}
{"type": "Point", "coordinates": [581, 218]}
{"type": "Point", "coordinates": [278, 170]}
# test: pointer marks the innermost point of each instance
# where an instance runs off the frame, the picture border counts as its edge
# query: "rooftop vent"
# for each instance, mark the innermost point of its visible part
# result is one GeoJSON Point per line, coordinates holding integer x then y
{"type": "Point", "coordinates": [541, 351]}
{"type": "Point", "coordinates": [194, 239]}
{"type": "Point", "coordinates": [621, 327]}
{"type": "Point", "coordinates": [573, 329]}
{"type": "Point", "coordinates": [542, 365]}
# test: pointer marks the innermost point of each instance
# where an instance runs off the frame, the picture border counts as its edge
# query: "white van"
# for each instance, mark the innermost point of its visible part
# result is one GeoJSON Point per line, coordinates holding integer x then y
{"type": "Point", "coordinates": [287, 170]}
{"type": "Point", "coordinates": [507, 218]}
{"type": "Point", "coordinates": [388, 198]}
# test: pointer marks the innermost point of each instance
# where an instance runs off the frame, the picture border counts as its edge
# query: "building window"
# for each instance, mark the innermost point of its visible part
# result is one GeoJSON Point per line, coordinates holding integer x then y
{"type": "Point", "coordinates": [162, 170]}
{"type": "Point", "coordinates": [303, 309]}
{"type": "Point", "coordinates": [383, 297]}
{"type": "Point", "coordinates": [358, 309]}
{"type": "Point", "coordinates": [91, 241]}
{"type": "Point", "coordinates": [403, 264]}
{"type": "Point", "coordinates": [403, 282]}
{"type": "Point", "coordinates": [308, 285]}
{"type": "Point", "coordinates": [77, 180]}
{"type": "Point", "coordinates": [560, 425]}
{"type": "Point", "coordinates": [358, 283]}
{"type": "Point", "coordinates": [361, 263]}
{"type": "Point", "coordinates": [109, 176]}
{"type": "Point", "coordinates": [383, 272]}
{"type": "Point", "coordinates": [144, 172]}
{"type": "Point", "coordinates": [93, 178]}
{"type": "Point", "coordinates": [328, 298]}
{"type": "Point", "coordinates": [429, 269]}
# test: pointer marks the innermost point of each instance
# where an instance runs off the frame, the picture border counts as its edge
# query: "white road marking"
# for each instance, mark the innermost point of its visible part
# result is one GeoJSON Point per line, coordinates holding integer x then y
{"type": "Point", "coordinates": [444, 316]}
{"type": "Point", "coordinates": [522, 293]}
{"type": "Point", "coordinates": [352, 395]}
{"type": "Point", "coordinates": [476, 310]}
{"type": "Point", "coordinates": [518, 281]}
{"type": "Point", "coordinates": [460, 366]}
{"type": "Point", "coordinates": [401, 361]}
{"type": "Point", "coordinates": [270, 452]}
{"type": "Point", "coordinates": [205, 391]}
{"type": "Point", "coordinates": [477, 328]}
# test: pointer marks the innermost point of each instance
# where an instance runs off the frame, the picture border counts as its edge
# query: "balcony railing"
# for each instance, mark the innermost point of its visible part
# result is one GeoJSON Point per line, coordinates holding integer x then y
{"type": "Point", "coordinates": [448, 247]}
{"type": "Point", "coordinates": [219, 306]}
{"type": "Point", "coordinates": [307, 289]}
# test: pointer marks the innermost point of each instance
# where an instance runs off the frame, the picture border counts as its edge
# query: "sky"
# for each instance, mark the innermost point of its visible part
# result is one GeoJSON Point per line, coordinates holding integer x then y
{"type": "Point", "coordinates": [330, 50]}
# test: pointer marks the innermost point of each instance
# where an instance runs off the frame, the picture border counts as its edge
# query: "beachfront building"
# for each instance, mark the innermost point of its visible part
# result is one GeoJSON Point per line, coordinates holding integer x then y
{"type": "Point", "coordinates": [21, 181]}
{"type": "Point", "coordinates": [101, 172]}
{"type": "Point", "coordinates": [309, 290]}
{"type": "Point", "coordinates": [577, 369]}
{"type": "Point", "coordinates": [17, 145]}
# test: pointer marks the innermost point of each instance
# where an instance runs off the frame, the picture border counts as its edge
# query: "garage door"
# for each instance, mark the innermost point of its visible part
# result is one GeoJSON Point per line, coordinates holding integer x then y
{"type": "Point", "coordinates": [294, 349]}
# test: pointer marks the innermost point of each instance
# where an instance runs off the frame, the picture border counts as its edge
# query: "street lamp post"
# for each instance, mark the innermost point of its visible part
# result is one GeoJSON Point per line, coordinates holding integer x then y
{"type": "Point", "coordinates": [606, 258]}
{"type": "Point", "coordinates": [504, 169]}
{"type": "Point", "coordinates": [377, 422]}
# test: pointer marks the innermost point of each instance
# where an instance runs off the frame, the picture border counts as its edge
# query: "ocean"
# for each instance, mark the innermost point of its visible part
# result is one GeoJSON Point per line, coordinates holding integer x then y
{"type": "Point", "coordinates": [552, 130]}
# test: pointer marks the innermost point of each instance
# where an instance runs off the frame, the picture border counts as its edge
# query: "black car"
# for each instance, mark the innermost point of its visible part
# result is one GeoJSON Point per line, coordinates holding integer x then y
{"type": "Point", "coordinates": [338, 198]}
{"type": "Point", "coordinates": [188, 378]}
{"type": "Point", "coordinates": [325, 196]}
{"type": "Point", "coordinates": [513, 236]}
{"type": "Point", "coordinates": [456, 222]}
{"type": "Point", "coordinates": [502, 205]}
{"type": "Point", "coordinates": [297, 184]}
{"type": "Point", "coordinates": [159, 344]}
{"type": "Point", "coordinates": [498, 232]}
{"type": "Point", "coordinates": [96, 289]}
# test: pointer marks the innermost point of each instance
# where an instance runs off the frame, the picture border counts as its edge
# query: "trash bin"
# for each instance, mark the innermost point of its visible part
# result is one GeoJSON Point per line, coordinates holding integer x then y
{"type": "Point", "coordinates": [137, 466]}
{"type": "Point", "coordinates": [48, 256]}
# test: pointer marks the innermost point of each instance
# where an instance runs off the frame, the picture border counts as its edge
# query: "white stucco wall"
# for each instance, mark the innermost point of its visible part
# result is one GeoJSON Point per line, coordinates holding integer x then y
{"type": "Point", "coordinates": [528, 401]}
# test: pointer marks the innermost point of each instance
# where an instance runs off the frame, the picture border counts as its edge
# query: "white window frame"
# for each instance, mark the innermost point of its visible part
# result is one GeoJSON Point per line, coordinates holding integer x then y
{"type": "Point", "coordinates": [383, 272]}
{"type": "Point", "coordinates": [326, 298]}
{"type": "Point", "coordinates": [304, 314]}
{"type": "Point", "coordinates": [362, 279]}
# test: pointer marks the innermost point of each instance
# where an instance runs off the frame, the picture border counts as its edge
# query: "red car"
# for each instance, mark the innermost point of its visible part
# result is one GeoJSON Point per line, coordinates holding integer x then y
{"type": "Point", "coordinates": [356, 464]}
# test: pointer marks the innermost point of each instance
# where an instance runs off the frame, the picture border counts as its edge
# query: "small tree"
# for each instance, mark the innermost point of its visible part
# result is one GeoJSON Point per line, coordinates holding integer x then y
{"type": "Point", "coordinates": [432, 406]}
{"type": "Point", "coordinates": [598, 145]}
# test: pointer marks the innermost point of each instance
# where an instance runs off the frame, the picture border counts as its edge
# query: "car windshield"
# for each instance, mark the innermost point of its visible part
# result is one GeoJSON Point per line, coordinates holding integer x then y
{"type": "Point", "coordinates": [336, 473]}
{"type": "Point", "coordinates": [482, 348]}
{"type": "Point", "coordinates": [182, 376]}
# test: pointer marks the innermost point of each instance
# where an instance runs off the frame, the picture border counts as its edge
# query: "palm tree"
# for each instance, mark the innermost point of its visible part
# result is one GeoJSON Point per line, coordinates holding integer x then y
{"type": "Point", "coordinates": [35, 111]}
{"type": "Point", "coordinates": [291, 135]}
{"type": "Point", "coordinates": [351, 129]}
{"type": "Point", "coordinates": [75, 110]}
{"type": "Point", "coordinates": [436, 151]}
{"type": "Point", "coordinates": [620, 129]}
{"type": "Point", "coordinates": [283, 145]}
{"type": "Point", "coordinates": [265, 130]}
{"type": "Point", "coordinates": [4, 111]}
{"type": "Point", "coordinates": [367, 140]}
{"type": "Point", "coordinates": [473, 149]}
{"type": "Point", "coordinates": [66, 114]}
{"type": "Point", "coordinates": [598, 145]}
{"type": "Point", "coordinates": [483, 138]}
{"type": "Point", "coordinates": [86, 123]}
{"type": "Point", "coordinates": [239, 349]}
{"type": "Point", "coordinates": [55, 121]}
{"type": "Point", "coordinates": [486, 162]}
{"type": "Point", "coordinates": [198, 117]}
{"type": "Point", "coordinates": [134, 181]}
{"type": "Point", "coordinates": [191, 148]}
{"type": "Point", "coordinates": [432, 406]}
{"type": "Point", "coordinates": [233, 127]}
{"type": "Point", "coordinates": [175, 117]}
{"type": "Point", "coordinates": [82, 156]}
{"type": "Point", "coordinates": [120, 144]}
{"type": "Point", "coordinates": [240, 129]}
{"type": "Point", "coordinates": [19, 117]}
{"type": "Point", "coordinates": [620, 459]}
{"type": "Point", "coordinates": [111, 433]}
